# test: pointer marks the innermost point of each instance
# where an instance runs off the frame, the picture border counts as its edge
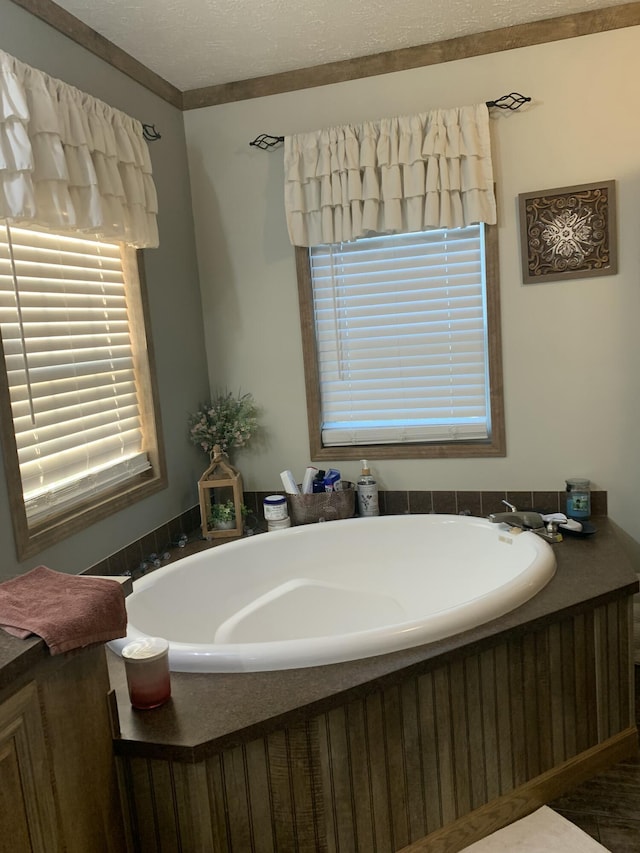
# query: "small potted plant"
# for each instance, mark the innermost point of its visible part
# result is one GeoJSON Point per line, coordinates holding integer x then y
{"type": "Point", "coordinates": [223, 515]}
{"type": "Point", "coordinates": [227, 422]}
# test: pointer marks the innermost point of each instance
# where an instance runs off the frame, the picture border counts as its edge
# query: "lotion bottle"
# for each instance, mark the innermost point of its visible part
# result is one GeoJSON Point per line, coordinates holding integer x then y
{"type": "Point", "coordinates": [367, 492]}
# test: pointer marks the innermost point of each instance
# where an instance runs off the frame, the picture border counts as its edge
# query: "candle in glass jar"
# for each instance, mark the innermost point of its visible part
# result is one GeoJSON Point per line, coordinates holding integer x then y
{"type": "Point", "coordinates": [146, 663]}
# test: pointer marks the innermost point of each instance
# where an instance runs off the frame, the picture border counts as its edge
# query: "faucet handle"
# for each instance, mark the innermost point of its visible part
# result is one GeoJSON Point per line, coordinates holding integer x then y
{"type": "Point", "coordinates": [511, 506]}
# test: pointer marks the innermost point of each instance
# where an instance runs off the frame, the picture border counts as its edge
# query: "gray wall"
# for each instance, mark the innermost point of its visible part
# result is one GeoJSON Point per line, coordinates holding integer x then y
{"type": "Point", "coordinates": [172, 282]}
{"type": "Point", "coordinates": [571, 349]}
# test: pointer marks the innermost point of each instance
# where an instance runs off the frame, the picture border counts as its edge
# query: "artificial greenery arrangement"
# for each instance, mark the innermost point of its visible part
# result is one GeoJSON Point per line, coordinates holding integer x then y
{"type": "Point", "coordinates": [227, 420]}
{"type": "Point", "coordinates": [224, 512]}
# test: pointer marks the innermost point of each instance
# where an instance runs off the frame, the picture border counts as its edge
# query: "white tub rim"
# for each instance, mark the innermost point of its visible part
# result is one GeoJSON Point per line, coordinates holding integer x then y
{"type": "Point", "coordinates": [314, 651]}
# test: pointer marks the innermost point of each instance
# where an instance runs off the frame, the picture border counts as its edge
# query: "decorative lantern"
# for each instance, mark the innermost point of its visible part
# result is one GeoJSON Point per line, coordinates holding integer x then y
{"type": "Point", "coordinates": [221, 498]}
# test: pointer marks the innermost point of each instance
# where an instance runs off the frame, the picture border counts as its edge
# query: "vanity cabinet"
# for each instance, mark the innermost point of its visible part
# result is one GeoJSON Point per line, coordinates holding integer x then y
{"type": "Point", "coordinates": [58, 784]}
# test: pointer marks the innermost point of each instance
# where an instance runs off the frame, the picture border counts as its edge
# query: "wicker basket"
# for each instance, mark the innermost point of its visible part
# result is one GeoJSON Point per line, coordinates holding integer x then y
{"type": "Point", "coordinates": [324, 506]}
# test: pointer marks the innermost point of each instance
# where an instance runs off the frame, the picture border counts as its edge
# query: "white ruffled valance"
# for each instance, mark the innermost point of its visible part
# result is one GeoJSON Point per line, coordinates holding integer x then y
{"type": "Point", "coordinates": [411, 173]}
{"type": "Point", "coordinates": [69, 162]}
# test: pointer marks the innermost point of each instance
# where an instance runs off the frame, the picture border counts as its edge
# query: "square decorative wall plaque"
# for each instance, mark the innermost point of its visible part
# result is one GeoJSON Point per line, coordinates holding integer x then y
{"type": "Point", "coordinates": [568, 232]}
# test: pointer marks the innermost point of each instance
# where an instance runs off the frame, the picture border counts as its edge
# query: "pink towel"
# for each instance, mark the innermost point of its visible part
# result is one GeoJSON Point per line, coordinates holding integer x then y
{"type": "Point", "coordinates": [67, 611]}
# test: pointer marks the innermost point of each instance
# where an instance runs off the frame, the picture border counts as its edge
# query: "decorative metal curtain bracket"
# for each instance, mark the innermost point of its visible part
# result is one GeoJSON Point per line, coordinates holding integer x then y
{"type": "Point", "coordinates": [150, 133]}
{"type": "Point", "coordinates": [266, 141]}
{"type": "Point", "coordinates": [513, 101]}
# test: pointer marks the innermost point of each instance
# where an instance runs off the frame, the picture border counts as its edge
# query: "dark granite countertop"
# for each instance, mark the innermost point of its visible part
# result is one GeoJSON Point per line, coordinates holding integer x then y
{"type": "Point", "coordinates": [18, 657]}
{"type": "Point", "coordinates": [209, 712]}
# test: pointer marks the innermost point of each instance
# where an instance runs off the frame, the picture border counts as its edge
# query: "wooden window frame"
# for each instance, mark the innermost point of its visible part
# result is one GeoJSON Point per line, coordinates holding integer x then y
{"type": "Point", "coordinates": [32, 538]}
{"type": "Point", "coordinates": [494, 446]}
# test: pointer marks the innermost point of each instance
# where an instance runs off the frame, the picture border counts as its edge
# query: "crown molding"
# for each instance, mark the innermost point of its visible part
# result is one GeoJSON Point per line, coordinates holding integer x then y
{"type": "Point", "coordinates": [67, 24]}
{"type": "Point", "coordinates": [463, 47]}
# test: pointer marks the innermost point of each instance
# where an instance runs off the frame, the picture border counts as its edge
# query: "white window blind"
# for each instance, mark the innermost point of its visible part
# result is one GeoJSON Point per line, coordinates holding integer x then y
{"type": "Point", "coordinates": [401, 332]}
{"type": "Point", "coordinates": [70, 367]}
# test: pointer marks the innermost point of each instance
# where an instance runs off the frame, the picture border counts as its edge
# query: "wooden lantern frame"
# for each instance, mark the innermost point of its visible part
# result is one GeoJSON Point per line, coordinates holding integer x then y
{"type": "Point", "coordinates": [220, 475]}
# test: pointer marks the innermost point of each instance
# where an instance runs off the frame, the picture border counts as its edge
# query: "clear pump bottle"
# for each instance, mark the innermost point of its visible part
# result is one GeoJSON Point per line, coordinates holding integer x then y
{"type": "Point", "coordinates": [367, 492]}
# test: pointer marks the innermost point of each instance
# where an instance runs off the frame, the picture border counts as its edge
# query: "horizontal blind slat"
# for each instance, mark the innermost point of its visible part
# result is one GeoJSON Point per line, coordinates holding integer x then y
{"type": "Point", "coordinates": [337, 437]}
{"type": "Point", "coordinates": [75, 411]}
{"type": "Point", "coordinates": [47, 442]}
{"type": "Point", "coordinates": [74, 464]}
{"type": "Point", "coordinates": [70, 366]}
{"type": "Point", "coordinates": [45, 396]}
{"type": "Point", "coordinates": [54, 372]}
{"type": "Point", "coordinates": [81, 343]}
{"type": "Point", "coordinates": [67, 493]}
{"type": "Point", "coordinates": [401, 337]}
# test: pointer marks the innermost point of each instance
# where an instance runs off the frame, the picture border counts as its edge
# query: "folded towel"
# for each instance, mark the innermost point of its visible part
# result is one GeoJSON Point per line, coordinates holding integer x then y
{"type": "Point", "coordinates": [67, 611]}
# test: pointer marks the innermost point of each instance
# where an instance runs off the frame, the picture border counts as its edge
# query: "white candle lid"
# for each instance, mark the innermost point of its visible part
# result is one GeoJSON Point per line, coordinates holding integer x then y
{"type": "Point", "coordinates": [145, 648]}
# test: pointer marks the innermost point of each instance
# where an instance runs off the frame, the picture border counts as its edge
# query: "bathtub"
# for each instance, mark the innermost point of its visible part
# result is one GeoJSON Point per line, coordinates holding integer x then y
{"type": "Point", "coordinates": [337, 591]}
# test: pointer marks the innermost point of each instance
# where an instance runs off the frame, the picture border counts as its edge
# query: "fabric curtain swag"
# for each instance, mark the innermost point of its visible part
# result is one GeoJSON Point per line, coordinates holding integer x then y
{"type": "Point", "coordinates": [405, 174]}
{"type": "Point", "coordinates": [69, 162]}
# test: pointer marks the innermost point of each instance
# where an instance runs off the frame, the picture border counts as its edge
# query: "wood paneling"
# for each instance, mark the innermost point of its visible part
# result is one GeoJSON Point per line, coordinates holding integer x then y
{"type": "Point", "coordinates": [528, 797]}
{"type": "Point", "coordinates": [58, 781]}
{"type": "Point", "coordinates": [430, 763]}
{"type": "Point", "coordinates": [73, 699]}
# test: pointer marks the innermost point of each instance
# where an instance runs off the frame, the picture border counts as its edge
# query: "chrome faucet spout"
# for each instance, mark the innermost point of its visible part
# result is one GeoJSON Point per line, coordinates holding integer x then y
{"type": "Point", "coordinates": [525, 519]}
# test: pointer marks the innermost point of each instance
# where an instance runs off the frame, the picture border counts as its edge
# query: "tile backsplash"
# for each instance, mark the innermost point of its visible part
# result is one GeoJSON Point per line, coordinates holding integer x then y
{"type": "Point", "coordinates": [182, 534]}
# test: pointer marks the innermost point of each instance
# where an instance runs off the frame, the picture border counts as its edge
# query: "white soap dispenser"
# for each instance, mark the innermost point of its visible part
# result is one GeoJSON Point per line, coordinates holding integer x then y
{"type": "Point", "coordinates": [367, 492]}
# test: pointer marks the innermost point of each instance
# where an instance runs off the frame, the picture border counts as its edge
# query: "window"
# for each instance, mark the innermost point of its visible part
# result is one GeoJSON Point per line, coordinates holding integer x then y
{"type": "Point", "coordinates": [77, 396]}
{"type": "Point", "coordinates": [401, 337]}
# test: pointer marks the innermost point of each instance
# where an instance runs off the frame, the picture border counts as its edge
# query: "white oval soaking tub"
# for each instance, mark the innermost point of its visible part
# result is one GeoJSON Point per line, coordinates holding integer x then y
{"type": "Point", "coordinates": [338, 591]}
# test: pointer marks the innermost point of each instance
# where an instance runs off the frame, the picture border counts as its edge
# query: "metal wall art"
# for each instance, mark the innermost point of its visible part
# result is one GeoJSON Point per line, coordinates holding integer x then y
{"type": "Point", "coordinates": [569, 232]}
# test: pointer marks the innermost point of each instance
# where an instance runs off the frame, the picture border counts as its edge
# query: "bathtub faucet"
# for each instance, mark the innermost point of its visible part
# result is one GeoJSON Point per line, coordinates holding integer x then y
{"type": "Point", "coordinates": [526, 519]}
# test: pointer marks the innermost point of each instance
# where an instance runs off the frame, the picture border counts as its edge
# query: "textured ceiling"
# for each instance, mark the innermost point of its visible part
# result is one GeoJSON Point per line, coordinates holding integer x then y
{"type": "Point", "coordinates": [196, 43]}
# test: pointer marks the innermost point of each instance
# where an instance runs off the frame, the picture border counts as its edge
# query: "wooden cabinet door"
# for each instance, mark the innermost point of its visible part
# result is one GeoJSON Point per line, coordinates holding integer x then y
{"type": "Point", "coordinates": [27, 811]}
{"type": "Point", "coordinates": [14, 820]}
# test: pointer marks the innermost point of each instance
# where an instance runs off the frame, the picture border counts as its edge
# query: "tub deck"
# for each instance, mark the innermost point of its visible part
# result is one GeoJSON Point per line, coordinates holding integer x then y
{"type": "Point", "coordinates": [436, 745]}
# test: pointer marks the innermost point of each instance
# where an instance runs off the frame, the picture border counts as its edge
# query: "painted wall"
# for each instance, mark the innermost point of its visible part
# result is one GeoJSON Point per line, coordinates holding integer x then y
{"type": "Point", "coordinates": [571, 349]}
{"type": "Point", "coordinates": [172, 281]}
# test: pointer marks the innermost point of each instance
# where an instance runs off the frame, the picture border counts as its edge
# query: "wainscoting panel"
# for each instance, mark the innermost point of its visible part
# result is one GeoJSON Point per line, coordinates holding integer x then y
{"type": "Point", "coordinates": [388, 769]}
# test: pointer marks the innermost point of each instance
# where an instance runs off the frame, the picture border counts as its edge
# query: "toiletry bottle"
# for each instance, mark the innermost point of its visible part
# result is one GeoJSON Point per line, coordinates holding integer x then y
{"type": "Point", "coordinates": [318, 483]}
{"type": "Point", "coordinates": [331, 480]}
{"type": "Point", "coordinates": [307, 481]}
{"type": "Point", "coordinates": [367, 492]}
{"type": "Point", "coordinates": [289, 483]}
